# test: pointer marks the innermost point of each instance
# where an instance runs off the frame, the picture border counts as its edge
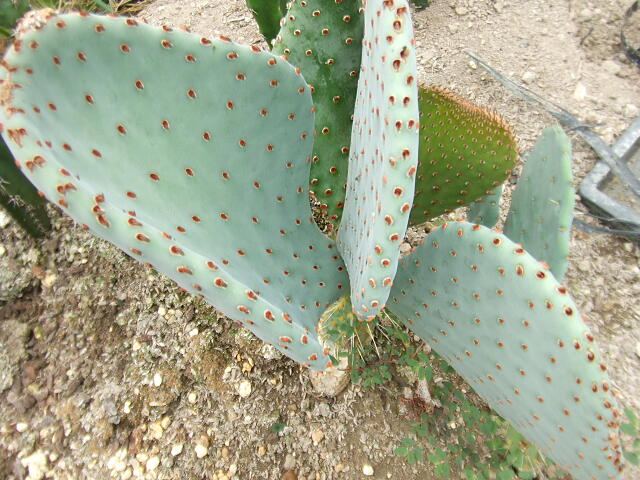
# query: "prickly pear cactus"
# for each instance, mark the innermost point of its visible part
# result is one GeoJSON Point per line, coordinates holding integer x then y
{"type": "Point", "coordinates": [541, 209]}
{"type": "Point", "coordinates": [383, 157]}
{"type": "Point", "coordinates": [123, 126]}
{"type": "Point", "coordinates": [509, 328]}
{"type": "Point", "coordinates": [324, 39]}
{"type": "Point", "coordinates": [465, 151]}
{"type": "Point", "coordinates": [486, 211]}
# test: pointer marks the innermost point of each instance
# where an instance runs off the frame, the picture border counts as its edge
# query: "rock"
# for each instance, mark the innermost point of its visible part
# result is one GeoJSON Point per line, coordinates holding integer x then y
{"type": "Point", "coordinates": [152, 463]}
{"type": "Point", "coordinates": [289, 475]}
{"type": "Point", "coordinates": [36, 464]}
{"type": "Point", "coordinates": [289, 462]}
{"type": "Point", "coordinates": [637, 352]}
{"type": "Point", "coordinates": [460, 10]}
{"type": "Point", "coordinates": [367, 470]}
{"type": "Point", "coordinates": [201, 450]}
{"type": "Point", "coordinates": [317, 435]}
{"type": "Point", "coordinates": [405, 248]}
{"type": "Point", "coordinates": [262, 451]}
{"type": "Point", "coordinates": [176, 449]}
{"type": "Point", "coordinates": [192, 398]}
{"type": "Point", "coordinates": [21, 427]}
{"type": "Point", "coordinates": [157, 380]}
{"type": "Point", "coordinates": [244, 388]}
{"type": "Point", "coordinates": [529, 76]}
{"type": "Point", "coordinates": [269, 352]}
{"type": "Point", "coordinates": [580, 92]}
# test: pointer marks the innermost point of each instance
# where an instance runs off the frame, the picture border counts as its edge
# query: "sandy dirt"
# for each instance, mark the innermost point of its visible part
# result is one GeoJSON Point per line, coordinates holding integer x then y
{"type": "Point", "coordinates": [108, 371]}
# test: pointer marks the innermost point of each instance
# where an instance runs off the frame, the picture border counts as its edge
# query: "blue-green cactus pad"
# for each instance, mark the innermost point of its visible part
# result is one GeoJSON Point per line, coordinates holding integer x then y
{"type": "Point", "coordinates": [486, 211]}
{"type": "Point", "coordinates": [190, 154]}
{"type": "Point", "coordinates": [509, 328]}
{"type": "Point", "coordinates": [541, 209]}
{"type": "Point", "coordinates": [383, 156]}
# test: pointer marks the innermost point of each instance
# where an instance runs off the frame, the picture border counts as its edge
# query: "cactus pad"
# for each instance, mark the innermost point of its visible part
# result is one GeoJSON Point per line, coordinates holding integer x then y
{"type": "Point", "coordinates": [465, 151]}
{"type": "Point", "coordinates": [324, 39]}
{"type": "Point", "coordinates": [124, 126]}
{"type": "Point", "coordinates": [486, 211]}
{"type": "Point", "coordinates": [383, 156]}
{"type": "Point", "coordinates": [505, 324]}
{"type": "Point", "coordinates": [541, 209]}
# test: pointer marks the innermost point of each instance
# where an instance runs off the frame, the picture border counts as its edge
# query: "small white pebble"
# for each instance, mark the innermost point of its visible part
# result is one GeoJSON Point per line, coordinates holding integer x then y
{"type": "Point", "coordinates": [127, 407]}
{"type": "Point", "coordinates": [194, 332]}
{"type": "Point", "coordinates": [244, 388]}
{"type": "Point", "coordinates": [192, 397]}
{"type": "Point", "coordinates": [176, 449]}
{"type": "Point", "coordinates": [21, 427]}
{"type": "Point", "coordinates": [162, 311]}
{"type": "Point", "coordinates": [233, 468]}
{"type": "Point", "coordinates": [153, 463]}
{"type": "Point", "coordinates": [201, 451]}
{"type": "Point", "coordinates": [367, 470]}
{"type": "Point", "coordinates": [157, 380]}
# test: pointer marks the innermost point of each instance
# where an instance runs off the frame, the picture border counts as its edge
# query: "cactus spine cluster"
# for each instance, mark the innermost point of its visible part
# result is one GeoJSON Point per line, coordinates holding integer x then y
{"type": "Point", "coordinates": [123, 126]}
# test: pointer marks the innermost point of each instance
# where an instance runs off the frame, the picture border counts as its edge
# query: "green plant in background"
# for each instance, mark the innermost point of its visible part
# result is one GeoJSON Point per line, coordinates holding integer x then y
{"type": "Point", "coordinates": [159, 157]}
{"type": "Point", "coordinates": [268, 14]}
{"type": "Point", "coordinates": [10, 12]}
{"type": "Point", "coordinates": [631, 428]}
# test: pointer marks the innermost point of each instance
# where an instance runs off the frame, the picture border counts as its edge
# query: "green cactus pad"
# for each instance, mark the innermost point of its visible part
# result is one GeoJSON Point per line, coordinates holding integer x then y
{"type": "Point", "coordinates": [203, 176]}
{"type": "Point", "coordinates": [486, 211]}
{"type": "Point", "coordinates": [465, 151]}
{"type": "Point", "coordinates": [324, 39]}
{"type": "Point", "coordinates": [267, 14]}
{"type": "Point", "coordinates": [541, 209]}
{"type": "Point", "coordinates": [19, 198]}
{"type": "Point", "coordinates": [504, 323]}
{"type": "Point", "coordinates": [383, 157]}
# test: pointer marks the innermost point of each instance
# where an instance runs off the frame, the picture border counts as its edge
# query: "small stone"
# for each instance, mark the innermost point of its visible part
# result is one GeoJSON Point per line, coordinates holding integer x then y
{"type": "Point", "coordinates": [21, 427]}
{"type": "Point", "coordinates": [157, 380]}
{"type": "Point", "coordinates": [162, 311]}
{"type": "Point", "coordinates": [529, 76]}
{"type": "Point", "coordinates": [338, 468]}
{"type": "Point", "coordinates": [136, 345]}
{"type": "Point", "coordinates": [127, 407]}
{"type": "Point", "coordinates": [453, 28]}
{"type": "Point", "coordinates": [3, 250]}
{"type": "Point", "coordinates": [473, 65]}
{"type": "Point", "coordinates": [152, 463]}
{"type": "Point", "coordinates": [194, 332]}
{"type": "Point", "coordinates": [580, 92]}
{"type": "Point", "coordinates": [460, 10]}
{"type": "Point", "coordinates": [192, 397]}
{"type": "Point", "coordinates": [127, 474]}
{"type": "Point", "coordinates": [244, 388]}
{"type": "Point", "coordinates": [405, 248]}
{"type": "Point", "coordinates": [201, 450]}
{"type": "Point", "coordinates": [49, 280]}
{"type": "Point", "coordinates": [165, 422]}
{"type": "Point", "coordinates": [233, 468]}
{"type": "Point", "coordinates": [261, 451]}
{"type": "Point", "coordinates": [155, 430]}
{"type": "Point", "coordinates": [638, 349]}
{"type": "Point", "coordinates": [176, 449]}
{"type": "Point", "coordinates": [289, 462]}
{"type": "Point", "coordinates": [36, 464]}
{"type": "Point", "coordinates": [317, 435]}
{"type": "Point", "coordinates": [289, 475]}
{"type": "Point", "coordinates": [224, 452]}
{"type": "Point", "coordinates": [367, 470]}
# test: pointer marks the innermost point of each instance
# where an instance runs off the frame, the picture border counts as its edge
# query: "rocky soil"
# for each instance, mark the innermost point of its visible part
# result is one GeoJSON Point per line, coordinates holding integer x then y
{"type": "Point", "coordinates": [108, 371]}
